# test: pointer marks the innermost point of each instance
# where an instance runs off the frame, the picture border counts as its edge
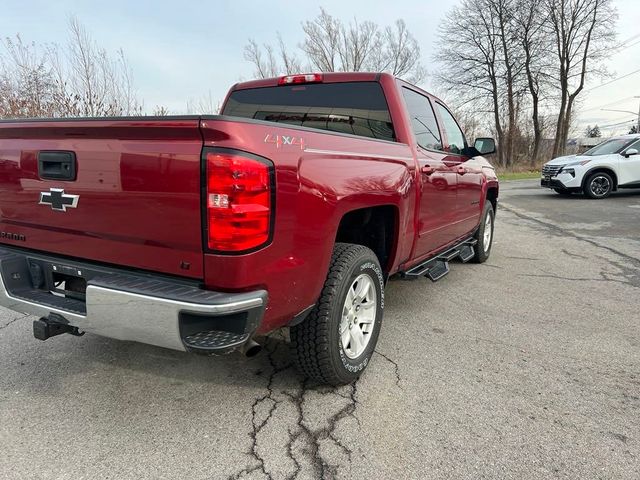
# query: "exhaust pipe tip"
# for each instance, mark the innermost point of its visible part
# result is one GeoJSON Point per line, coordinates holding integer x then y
{"type": "Point", "coordinates": [251, 348]}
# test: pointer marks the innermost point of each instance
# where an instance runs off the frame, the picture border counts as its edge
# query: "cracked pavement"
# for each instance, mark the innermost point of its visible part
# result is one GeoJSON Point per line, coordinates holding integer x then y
{"type": "Point", "coordinates": [527, 366]}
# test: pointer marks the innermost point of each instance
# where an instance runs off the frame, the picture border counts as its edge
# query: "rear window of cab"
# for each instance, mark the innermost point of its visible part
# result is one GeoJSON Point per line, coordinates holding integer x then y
{"type": "Point", "coordinates": [356, 108]}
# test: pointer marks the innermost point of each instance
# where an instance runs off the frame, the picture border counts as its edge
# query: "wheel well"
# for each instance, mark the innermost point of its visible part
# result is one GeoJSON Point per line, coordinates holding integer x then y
{"type": "Point", "coordinates": [373, 227]}
{"type": "Point", "coordinates": [492, 196]}
{"type": "Point", "coordinates": [601, 170]}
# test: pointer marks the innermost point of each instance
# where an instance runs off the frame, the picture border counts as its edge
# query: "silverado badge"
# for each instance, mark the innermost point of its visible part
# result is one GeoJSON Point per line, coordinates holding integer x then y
{"type": "Point", "coordinates": [58, 200]}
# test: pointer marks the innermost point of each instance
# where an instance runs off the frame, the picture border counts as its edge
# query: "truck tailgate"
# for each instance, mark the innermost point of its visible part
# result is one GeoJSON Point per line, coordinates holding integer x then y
{"type": "Point", "coordinates": [134, 199]}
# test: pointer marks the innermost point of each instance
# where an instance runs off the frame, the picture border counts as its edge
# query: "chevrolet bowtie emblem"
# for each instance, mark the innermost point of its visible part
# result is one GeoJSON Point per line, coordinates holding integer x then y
{"type": "Point", "coordinates": [58, 200]}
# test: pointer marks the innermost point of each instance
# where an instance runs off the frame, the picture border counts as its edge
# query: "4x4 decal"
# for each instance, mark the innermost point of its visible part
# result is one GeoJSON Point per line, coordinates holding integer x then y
{"type": "Point", "coordinates": [284, 140]}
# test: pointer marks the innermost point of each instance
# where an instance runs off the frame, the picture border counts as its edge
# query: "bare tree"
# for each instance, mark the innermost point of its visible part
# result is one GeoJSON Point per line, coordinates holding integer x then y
{"type": "Point", "coordinates": [97, 83]}
{"type": "Point", "coordinates": [361, 47]}
{"type": "Point", "coordinates": [160, 111]}
{"type": "Point", "coordinates": [83, 61]}
{"type": "Point", "coordinates": [472, 62]}
{"type": "Point", "coordinates": [506, 13]}
{"type": "Point", "coordinates": [402, 53]}
{"type": "Point", "coordinates": [290, 62]}
{"type": "Point", "coordinates": [77, 79]}
{"type": "Point", "coordinates": [329, 45]}
{"type": "Point", "coordinates": [205, 105]}
{"type": "Point", "coordinates": [124, 85]}
{"type": "Point", "coordinates": [582, 30]}
{"type": "Point", "coordinates": [26, 80]}
{"type": "Point", "coordinates": [535, 45]}
{"type": "Point", "coordinates": [499, 61]}
{"type": "Point", "coordinates": [264, 67]}
{"type": "Point", "coordinates": [322, 37]}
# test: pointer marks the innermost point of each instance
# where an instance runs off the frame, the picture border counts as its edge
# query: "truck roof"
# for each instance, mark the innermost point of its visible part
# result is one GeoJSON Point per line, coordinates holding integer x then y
{"type": "Point", "coordinates": [327, 77]}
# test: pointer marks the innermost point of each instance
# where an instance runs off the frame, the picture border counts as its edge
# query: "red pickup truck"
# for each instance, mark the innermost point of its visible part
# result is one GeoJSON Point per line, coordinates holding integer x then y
{"type": "Point", "coordinates": [290, 209]}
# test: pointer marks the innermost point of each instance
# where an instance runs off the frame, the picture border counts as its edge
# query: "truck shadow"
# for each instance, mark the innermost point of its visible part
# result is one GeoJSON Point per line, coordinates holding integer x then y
{"type": "Point", "coordinates": [233, 368]}
{"type": "Point", "coordinates": [49, 368]}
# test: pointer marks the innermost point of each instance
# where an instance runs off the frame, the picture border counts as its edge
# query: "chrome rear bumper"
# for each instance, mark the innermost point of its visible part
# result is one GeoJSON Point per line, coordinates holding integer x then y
{"type": "Point", "coordinates": [128, 306]}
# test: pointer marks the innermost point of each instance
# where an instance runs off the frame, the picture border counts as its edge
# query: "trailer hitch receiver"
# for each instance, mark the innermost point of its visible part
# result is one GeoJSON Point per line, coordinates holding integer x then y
{"type": "Point", "coordinates": [53, 325]}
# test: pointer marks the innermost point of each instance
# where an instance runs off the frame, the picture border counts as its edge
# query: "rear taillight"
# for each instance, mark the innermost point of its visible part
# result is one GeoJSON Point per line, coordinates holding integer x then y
{"type": "Point", "coordinates": [303, 78]}
{"type": "Point", "coordinates": [238, 202]}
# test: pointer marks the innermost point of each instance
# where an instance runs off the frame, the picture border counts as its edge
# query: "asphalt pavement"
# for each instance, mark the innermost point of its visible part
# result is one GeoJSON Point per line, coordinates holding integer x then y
{"type": "Point", "coordinates": [527, 366]}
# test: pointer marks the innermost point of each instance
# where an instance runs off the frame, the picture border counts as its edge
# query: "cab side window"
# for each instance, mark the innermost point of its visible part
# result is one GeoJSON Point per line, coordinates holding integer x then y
{"type": "Point", "coordinates": [423, 120]}
{"type": "Point", "coordinates": [455, 136]}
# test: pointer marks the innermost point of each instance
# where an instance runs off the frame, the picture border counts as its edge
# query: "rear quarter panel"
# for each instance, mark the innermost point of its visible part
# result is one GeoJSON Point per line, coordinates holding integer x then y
{"type": "Point", "coordinates": [319, 178]}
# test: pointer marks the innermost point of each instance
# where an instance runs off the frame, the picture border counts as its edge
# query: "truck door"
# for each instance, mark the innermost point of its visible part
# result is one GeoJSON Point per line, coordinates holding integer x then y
{"type": "Point", "coordinates": [468, 173]}
{"type": "Point", "coordinates": [437, 178]}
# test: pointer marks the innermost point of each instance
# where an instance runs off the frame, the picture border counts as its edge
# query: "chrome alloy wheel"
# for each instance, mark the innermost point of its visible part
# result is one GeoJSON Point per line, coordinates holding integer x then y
{"type": "Point", "coordinates": [488, 232]}
{"type": "Point", "coordinates": [600, 186]}
{"type": "Point", "coordinates": [358, 316]}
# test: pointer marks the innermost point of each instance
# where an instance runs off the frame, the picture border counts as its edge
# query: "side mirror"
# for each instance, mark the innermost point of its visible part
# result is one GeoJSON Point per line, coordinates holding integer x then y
{"type": "Point", "coordinates": [631, 151]}
{"type": "Point", "coordinates": [485, 146]}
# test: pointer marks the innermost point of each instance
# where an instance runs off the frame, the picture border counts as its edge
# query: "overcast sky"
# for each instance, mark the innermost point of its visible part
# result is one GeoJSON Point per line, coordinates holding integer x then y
{"type": "Point", "coordinates": [184, 50]}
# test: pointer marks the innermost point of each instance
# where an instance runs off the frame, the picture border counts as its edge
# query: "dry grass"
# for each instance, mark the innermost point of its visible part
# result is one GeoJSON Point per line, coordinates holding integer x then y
{"type": "Point", "coordinates": [519, 172]}
{"type": "Point", "coordinates": [507, 176]}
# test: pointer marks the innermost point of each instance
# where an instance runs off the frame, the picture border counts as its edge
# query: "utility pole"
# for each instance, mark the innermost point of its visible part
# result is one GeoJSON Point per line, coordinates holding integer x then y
{"type": "Point", "coordinates": [627, 111]}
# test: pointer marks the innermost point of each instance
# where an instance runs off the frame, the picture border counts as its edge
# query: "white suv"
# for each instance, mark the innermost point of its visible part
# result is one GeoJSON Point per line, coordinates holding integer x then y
{"type": "Point", "coordinates": [613, 164]}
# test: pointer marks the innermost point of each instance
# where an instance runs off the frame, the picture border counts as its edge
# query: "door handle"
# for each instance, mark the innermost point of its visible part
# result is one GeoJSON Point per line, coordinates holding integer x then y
{"type": "Point", "coordinates": [427, 169]}
{"type": "Point", "coordinates": [462, 170]}
{"type": "Point", "coordinates": [57, 165]}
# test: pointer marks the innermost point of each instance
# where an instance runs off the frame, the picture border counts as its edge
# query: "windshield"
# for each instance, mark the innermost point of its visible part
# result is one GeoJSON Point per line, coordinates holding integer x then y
{"type": "Point", "coordinates": [615, 145]}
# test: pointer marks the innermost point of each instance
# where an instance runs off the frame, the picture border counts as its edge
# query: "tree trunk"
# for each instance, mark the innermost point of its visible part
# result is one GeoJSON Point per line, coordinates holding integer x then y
{"type": "Point", "coordinates": [558, 144]}
{"type": "Point", "coordinates": [496, 117]}
{"type": "Point", "coordinates": [535, 100]}
{"type": "Point", "coordinates": [537, 135]}
{"type": "Point", "coordinates": [511, 121]}
{"type": "Point", "coordinates": [567, 119]}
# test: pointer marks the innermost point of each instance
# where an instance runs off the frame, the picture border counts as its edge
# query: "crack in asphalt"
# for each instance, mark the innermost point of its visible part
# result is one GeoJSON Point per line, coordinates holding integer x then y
{"type": "Point", "coordinates": [574, 255]}
{"type": "Point", "coordinates": [395, 366]}
{"type": "Point", "coordinates": [631, 275]}
{"type": "Point", "coordinates": [10, 322]}
{"type": "Point", "coordinates": [257, 427]}
{"type": "Point", "coordinates": [292, 439]}
{"type": "Point", "coordinates": [300, 431]}
{"type": "Point", "coordinates": [491, 266]}
{"type": "Point", "coordinates": [573, 279]}
{"type": "Point", "coordinates": [564, 232]}
{"type": "Point", "coordinates": [312, 448]}
{"type": "Point", "coordinates": [313, 437]}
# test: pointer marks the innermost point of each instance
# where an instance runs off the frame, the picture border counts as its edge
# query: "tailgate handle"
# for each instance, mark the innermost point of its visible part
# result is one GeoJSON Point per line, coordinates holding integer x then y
{"type": "Point", "coordinates": [57, 165]}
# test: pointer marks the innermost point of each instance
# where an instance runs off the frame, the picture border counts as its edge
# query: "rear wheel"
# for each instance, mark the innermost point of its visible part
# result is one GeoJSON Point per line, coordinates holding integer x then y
{"type": "Point", "coordinates": [484, 235]}
{"type": "Point", "coordinates": [598, 185]}
{"type": "Point", "coordinates": [335, 342]}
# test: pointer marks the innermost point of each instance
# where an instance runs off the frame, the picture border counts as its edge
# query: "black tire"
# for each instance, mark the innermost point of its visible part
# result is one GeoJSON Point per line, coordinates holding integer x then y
{"type": "Point", "coordinates": [562, 192]}
{"type": "Point", "coordinates": [599, 185]}
{"type": "Point", "coordinates": [316, 342]}
{"type": "Point", "coordinates": [483, 251]}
